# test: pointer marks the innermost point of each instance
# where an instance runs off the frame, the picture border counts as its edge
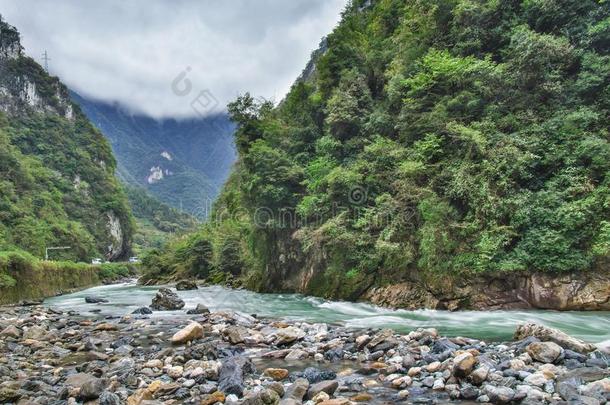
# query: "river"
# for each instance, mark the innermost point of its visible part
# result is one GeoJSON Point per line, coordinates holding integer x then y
{"type": "Point", "coordinates": [123, 298]}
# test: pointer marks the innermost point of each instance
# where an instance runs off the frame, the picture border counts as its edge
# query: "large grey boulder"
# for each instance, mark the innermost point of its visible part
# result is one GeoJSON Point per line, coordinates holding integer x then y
{"type": "Point", "coordinates": [547, 334]}
{"type": "Point", "coordinates": [166, 300]}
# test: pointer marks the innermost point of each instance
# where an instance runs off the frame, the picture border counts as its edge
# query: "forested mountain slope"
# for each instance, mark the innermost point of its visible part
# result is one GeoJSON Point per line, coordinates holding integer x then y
{"type": "Point", "coordinates": [57, 184]}
{"type": "Point", "coordinates": [433, 141]}
{"type": "Point", "coordinates": [183, 163]}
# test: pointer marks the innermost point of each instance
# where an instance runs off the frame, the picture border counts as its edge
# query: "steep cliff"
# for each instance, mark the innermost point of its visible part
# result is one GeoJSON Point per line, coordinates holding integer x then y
{"type": "Point", "coordinates": [57, 184]}
{"type": "Point", "coordinates": [441, 146]}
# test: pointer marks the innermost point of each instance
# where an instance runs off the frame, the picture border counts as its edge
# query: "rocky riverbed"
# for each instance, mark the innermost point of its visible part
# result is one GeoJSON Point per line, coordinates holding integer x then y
{"type": "Point", "coordinates": [52, 357]}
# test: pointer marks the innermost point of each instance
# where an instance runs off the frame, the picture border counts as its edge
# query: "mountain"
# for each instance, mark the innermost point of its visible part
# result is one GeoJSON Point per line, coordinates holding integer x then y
{"type": "Point", "coordinates": [57, 183]}
{"type": "Point", "coordinates": [181, 162]}
{"type": "Point", "coordinates": [445, 153]}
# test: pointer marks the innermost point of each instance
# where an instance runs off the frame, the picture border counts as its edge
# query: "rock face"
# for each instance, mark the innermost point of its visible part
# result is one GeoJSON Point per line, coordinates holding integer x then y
{"type": "Point", "coordinates": [547, 334]}
{"type": "Point", "coordinates": [166, 300]}
{"type": "Point", "coordinates": [578, 291]}
{"type": "Point", "coordinates": [184, 285]}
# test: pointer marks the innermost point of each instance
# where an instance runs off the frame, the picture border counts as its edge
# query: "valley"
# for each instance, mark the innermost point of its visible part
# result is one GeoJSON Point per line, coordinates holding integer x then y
{"type": "Point", "coordinates": [421, 217]}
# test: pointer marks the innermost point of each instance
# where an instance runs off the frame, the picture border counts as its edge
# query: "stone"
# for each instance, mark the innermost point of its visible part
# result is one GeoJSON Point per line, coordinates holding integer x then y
{"type": "Point", "coordinates": [91, 389]}
{"type": "Point", "coordinates": [175, 372]}
{"type": "Point", "coordinates": [479, 375]}
{"type": "Point", "coordinates": [328, 386]}
{"type": "Point", "coordinates": [499, 395]}
{"type": "Point", "coordinates": [296, 354]}
{"type": "Point", "coordinates": [297, 390]}
{"type": "Point", "coordinates": [336, 401]}
{"type": "Point", "coordinates": [34, 332]}
{"type": "Point", "coordinates": [544, 352]}
{"type": "Point", "coordinates": [142, 311]}
{"type": "Point", "coordinates": [362, 397]}
{"type": "Point", "coordinates": [314, 375]}
{"type": "Point", "coordinates": [93, 299]}
{"type": "Point", "coordinates": [109, 398]}
{"type": "Point", "coordinates": [547, 334]}
{"type": "Point", "coordinates": [192, 331]}
{"type": "Point", "coordinates": [166, 300]}
{"type": "Point", "coordinates": [278, 374]}
{"type": "Point", "coordinates": [210, 399]}
{"type": "Point", "coordinates": [11, 331]}
{"type": "Point", "coordinates": [463, 364]}
{"type": "Point", "coordinates": [155, 363]}
{"type": "Point", "coordinates": [236, 334]}
{"type": "Point", "coordinates": [106, 327]}
{"type": "Point", "coordinates": [537, 379]}
{"type": "Point", "coordinates": [200, 309]}
{"type": "Point", "coordinates": [320, 397]}
{"type": "Point", "coordinates": [184, 285]}
{"type": "Point", "coordinates": [232, 373]}
{"type": "Point", "coordinates": [288, 335]}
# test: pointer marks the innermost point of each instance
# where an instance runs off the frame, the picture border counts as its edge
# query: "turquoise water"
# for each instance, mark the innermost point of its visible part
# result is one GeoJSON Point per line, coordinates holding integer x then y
{"type": "Point", "coordinates": [490, 325]}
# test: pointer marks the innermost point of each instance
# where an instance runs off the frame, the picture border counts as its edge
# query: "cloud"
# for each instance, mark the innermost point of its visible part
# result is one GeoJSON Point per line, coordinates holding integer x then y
{"type": "Point", "coordinates": [130, 52]}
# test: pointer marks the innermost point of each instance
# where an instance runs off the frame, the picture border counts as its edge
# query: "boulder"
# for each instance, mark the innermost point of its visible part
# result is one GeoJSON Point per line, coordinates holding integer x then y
{"type": "Point", "coordinates": [200, 309]}
{"type": "Point", "coordinates": [544, 352]}
{"type": "Point", "coordinates": [93, 299]}
{"type": "Point", "coordinates": [192, 331]}
{"type": "Point", "coordinates": [142, 311]}
{"type": "Point", "coordinates": [232, 373]}
{"type": "Point", "coordinates": [547, 334]}
{"type": "Point", "coordinates": [184, 285]}
{"type": "Point", "coordinates": [166, 300]}
{"type": "Point", "coordinates": [499, 395]}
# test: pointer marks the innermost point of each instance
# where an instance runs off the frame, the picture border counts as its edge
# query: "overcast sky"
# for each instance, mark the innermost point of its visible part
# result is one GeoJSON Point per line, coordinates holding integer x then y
{"type": "Point", "coordinates": [132, 51]}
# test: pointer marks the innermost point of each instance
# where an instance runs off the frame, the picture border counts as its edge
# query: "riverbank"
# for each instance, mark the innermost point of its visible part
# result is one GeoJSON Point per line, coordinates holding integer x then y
{"type": "Point", "coordinates": [26, 278]}
{"type": "Point", "coordinates": [204, 358]}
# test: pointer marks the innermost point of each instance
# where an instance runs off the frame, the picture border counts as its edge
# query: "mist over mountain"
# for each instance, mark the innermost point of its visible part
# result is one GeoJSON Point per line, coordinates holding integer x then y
{"type": "Point", "coordinates": [183, 163]}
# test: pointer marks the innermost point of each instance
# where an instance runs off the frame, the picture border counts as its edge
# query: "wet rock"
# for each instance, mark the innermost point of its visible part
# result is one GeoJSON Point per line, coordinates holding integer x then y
{"type": "Point", "coordinates": [327, 386]}
{"type": "Point", "coordinates": [192, 331]}
{"type": "Point", "coordinates": [232, 373]}
{"type": "Point", "coordinates": [35, 332]}
{"type": "Point", "coordinates": [166, 300]}
{"type": "Point", "coordinates": [479, 375]}
{"type": "Point", "coordinates": [314, 375]}
{"type": "Point", "coordinates": [296, 354]}
{"type": "Point", "coordinates": [142, 311]}
{"type": "Point", "coordinates": [547, 334]}
{"type": "Point", "coordinates": [93, 299]}
{"type": "Point", "coordinates": [544, 352]}
{"type": "Point", "coordinates": [200, 309]}
{"type": "Point", "coordinates": [184, 285]}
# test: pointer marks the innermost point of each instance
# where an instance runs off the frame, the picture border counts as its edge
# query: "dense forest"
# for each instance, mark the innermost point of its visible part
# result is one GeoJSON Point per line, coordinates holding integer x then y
{"type": "Point", "coordinates": [443, 137]}
{"type": "Point", "coordinates": [57, 183]}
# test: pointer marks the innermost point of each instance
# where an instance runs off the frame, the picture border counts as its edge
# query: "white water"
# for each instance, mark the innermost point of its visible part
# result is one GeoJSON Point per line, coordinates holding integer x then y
{"type": "Point", "coordinates": [492, 325]}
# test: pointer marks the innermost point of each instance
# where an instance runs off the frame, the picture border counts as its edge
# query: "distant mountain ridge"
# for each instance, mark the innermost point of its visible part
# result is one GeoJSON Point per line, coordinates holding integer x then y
{"type": "Point", "coordinates": [183, 163]}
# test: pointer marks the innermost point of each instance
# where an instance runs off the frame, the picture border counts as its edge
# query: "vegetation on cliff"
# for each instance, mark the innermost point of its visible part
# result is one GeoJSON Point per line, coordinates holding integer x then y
{"type": "Point", "coordinates": [433, 138]}
{"type": "Point", "coordinates": [57, 184]}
